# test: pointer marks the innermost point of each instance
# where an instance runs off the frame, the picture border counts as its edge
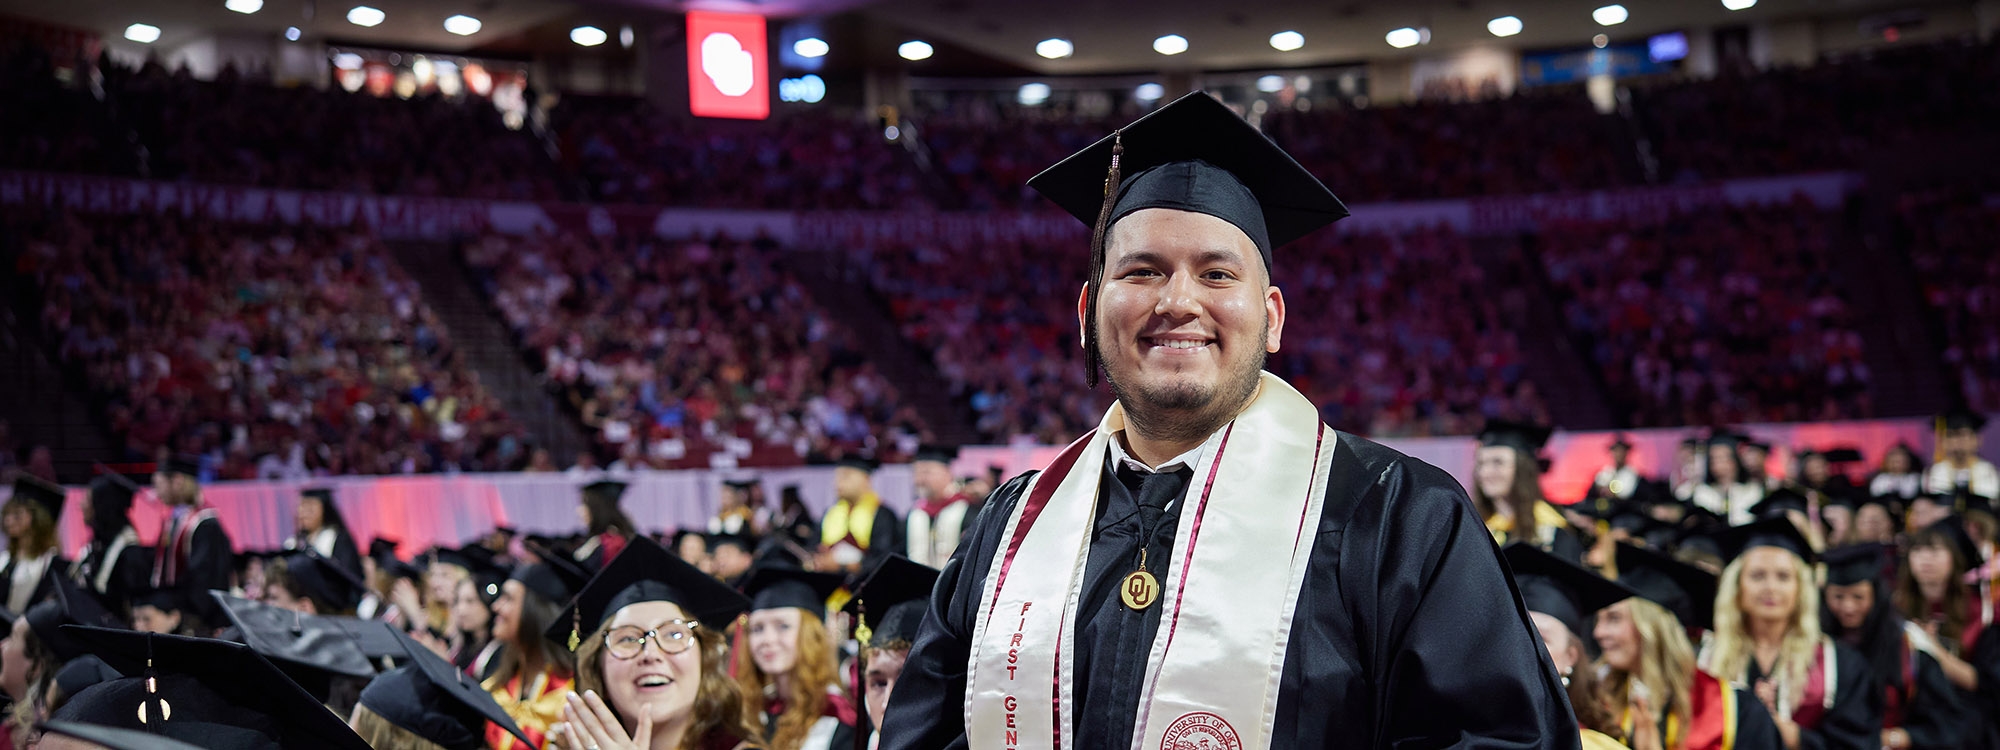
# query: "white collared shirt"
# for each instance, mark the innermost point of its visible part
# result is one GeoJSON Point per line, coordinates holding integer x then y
{"type": "Point", "coordinates": [1124, 459]}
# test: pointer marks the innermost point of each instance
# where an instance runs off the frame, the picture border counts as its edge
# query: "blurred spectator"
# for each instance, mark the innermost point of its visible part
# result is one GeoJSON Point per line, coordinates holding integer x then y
{"type": "Point", "coordinates": [1950, 234]}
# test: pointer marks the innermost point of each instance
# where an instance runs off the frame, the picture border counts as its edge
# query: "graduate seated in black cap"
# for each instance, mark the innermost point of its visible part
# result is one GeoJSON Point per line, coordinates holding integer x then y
{"type": "Point", "coordinates": [1877, 520]}
{"type": "Point", "coordinates": [1920, 707]}
{"type": "Point", "coordinates": [428, 704]}
{"type": "Point", "coordinates": [323, 529]}
{"type": "Point", "coordinates": [29, 518]}
{"type": "Point", "coordinates": [113, 563]}
{"type": "Point", "coordinates": [392, 584]}
{"type": "Point", "coordinates": [37, 647]}
{"type": "Point", "coordinates": [741, 510]}
{"type": "Point", "coordinates": [160, 611]}
{"type": "Point", "coordinates": [943, 511]}
{"type": "Point", "coordinates": [1507, 490]}
{"type": "Point", "coordinates": [1560, 597]}
{"type": "Point", "coordinates": [1651, 684]}
{"type": "Point", "coordinates": [652, 658]}
{"type": "Point", "coordinates": [1724, 489]}
{"type": "Point", "coordinates": [858, 527]}
{"type": "Point", "coordinates": [887, 608]}
{"type": "Point", "coordinates": [609, 527]}
{"type": "Point", "coordinates": [794, 522]}
{"type": "Point", "coordinates": [788, 665]}
{"type": "Point", "coordinates": [533, 674]}
{"type": "Point", "coordinates": [1901, 474]}
{"type": "Point", "coordinates": [1959, 465]}
{"type": "Point", "coordinates": [730, 557]}
{"type": "Point", "coordinates": [469, 643]}
{"type": "Point", "coordinates": [1819, 691]}
{"type": "Point", "coordinates": [314, 585]}
{"type": "Point", "coordinates": [207, 693]}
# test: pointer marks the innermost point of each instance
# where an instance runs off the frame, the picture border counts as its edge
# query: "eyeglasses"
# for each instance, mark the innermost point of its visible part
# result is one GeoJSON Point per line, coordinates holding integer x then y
{"type": "Point", "coordinates": [673, 637]}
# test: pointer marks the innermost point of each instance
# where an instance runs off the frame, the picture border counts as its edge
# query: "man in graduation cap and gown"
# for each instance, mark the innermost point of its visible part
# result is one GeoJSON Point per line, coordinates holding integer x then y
{"type": "Point", "coordinates": [193, 553]}
{"type": "Point", "coordinates": [943, 512]}
{"type": "Point", "coordinates": [1240, 574]}
{"type": "Point", "coordinates": [1617, 478]}
{"type": "Point", "coordinates": [1959, 465]}
{"type": "Point", "coordinates": [887, 608]}
{"type": "Point", "coordinates": [1920, 708]}
{"type": "Point", "coordinates": [858, 527]}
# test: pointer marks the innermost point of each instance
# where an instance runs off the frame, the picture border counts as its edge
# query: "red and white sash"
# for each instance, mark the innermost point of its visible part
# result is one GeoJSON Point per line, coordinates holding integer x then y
{"type": "Point", "coordinates": [171, 556]}
{"type": "Point", "coordinates": [1240, 555]}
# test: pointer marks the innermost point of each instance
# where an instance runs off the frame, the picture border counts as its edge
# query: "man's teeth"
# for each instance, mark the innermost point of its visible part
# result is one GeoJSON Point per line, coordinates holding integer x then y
{"type": "Point", "coordinates": [1179, 343]}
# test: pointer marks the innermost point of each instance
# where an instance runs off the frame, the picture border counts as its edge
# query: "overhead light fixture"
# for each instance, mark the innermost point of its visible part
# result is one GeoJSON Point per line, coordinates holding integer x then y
{"type": "Point", "coordinates": [1404, 37]}
{"type": "Point", "coordinates": [1739, 4]}
{"type": "Point", "coordinates": [1286, 41]}
{"type": "Point", "coordinates": [1149, 92]}
{"type": "Point", "coordinates": [914, 50]}
{"type": "Point", "coordinates": [626, 36]}
{"type": "Point", "coordinates": [142, 33]}
{"type": "Point", "coordinates": [1033, 94]}
{"type": "Point", "coordinates": [347, 61]}
{"type": "Point", "coordinates": [292, 33]}
{"type": "Point", "coordinates": [588, 36]}
{"type": "Point", "coordinates": [1600, 41]}
{"type": "Point", "coordinates": [244, 6]}
{"type": "Point", "coordinates": [1610, 15]}
{"type": "Point", "coordinates": [1171, 44]}
{"type": "Point", "coordinates": [363, 15]}
{"type": "Point", "coordinates": [462, 25]}
{"type": "Point", "coordinates": [810, 47]}
{"type": "Point", "coordinates": [1271, 84]}
{"type": "Point", "coordinates": [1054, 49]}
{"type": "Point", "coordinates": [1504, 26]}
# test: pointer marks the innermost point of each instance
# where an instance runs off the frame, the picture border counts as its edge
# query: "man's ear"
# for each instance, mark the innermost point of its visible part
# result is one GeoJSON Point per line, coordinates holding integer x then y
{"type": "Point", "coordinates": [1274, 324]}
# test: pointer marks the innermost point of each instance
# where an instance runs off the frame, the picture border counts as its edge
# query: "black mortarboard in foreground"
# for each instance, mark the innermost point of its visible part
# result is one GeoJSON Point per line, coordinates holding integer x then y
{"type": "Point", "coordinates": [114, 739]}
{"type": "Point", "coordinates": [775, 586]}
{"type": "Point", "coordinates": [889, 604]}
{"type": "Point", "coordinates": [1528, 438]}
{"type": "Point", "coordinates": [48, 495]}
{"type": "Point", "coordinates": [219, 695]}
{"type": "Point", "coordinates": [1682, 589]}
{"type": "Point", "coordinates": [1770, 532]}
{"type": "Point", "coordinates": [83, 672]}
{"type": "Point", "coordinates": [1854, 563]}
{"type": "Point", "coordinates": [1559, 588]}
{"type": "Point", "coordinates": [67, 604]}
{"type": "Point", "coordinates": [434, 700]}
{"type": "Point", "coordinates": [312, 650]}
{"type": "Point", "coordinates": [647, 572]}
{"type": "Point", "coordinates": [1195, 154]}
{"type": "Point", "coordinates": [324, 580]}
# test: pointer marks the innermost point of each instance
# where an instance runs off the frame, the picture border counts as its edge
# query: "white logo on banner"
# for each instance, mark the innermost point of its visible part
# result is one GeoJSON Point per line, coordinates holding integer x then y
{"type": "Point", "coordinates": [727, 64]}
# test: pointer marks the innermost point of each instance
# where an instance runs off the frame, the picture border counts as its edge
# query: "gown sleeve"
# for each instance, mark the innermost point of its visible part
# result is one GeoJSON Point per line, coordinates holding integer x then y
{"type": "Point", "coordinates": [209, 560]}
{"type": "Point", "coordinates": [1936, 715]}
{"type": "Point", "coordinates": [1855, 720]}
{"type": "Point", "coordinates": [346, 554]}
{"type": "Point", "coordinates": [927, 708]}
{"type": "Point", "coordinates": [1754, 728]}
{"type": "Point", "coordinates": [1438, 621]}
{"type": "Point", "coordinates": [1983, 704]}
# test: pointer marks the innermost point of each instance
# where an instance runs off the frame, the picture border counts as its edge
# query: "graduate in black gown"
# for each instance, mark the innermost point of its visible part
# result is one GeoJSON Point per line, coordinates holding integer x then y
{"type": "Point", "coordinates": [1210, 481]}
{"type": "Point", "coordinates": [112, 564]}
{"type": "Point", "coordinates": [1920, 708]}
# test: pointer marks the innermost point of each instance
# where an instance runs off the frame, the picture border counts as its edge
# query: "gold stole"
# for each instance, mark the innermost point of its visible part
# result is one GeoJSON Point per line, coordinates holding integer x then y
{"type": "Point", "coordinates": [845, 519]}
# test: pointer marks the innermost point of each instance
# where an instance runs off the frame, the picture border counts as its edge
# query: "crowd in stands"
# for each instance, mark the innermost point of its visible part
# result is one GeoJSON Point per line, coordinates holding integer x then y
{"type": "Point", "coordinates": [672, 350]}
{"type": "Point", "coordinates": [271, 351]}
{"type": "Point", "coordinates": [1687, 327]}
{"type": "Point", "coordinates": [1950, 237]}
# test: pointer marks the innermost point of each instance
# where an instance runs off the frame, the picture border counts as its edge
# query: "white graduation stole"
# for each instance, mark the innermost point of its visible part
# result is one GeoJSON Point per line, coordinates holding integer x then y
{"type": "Point", "coordinates": [1232, 589]}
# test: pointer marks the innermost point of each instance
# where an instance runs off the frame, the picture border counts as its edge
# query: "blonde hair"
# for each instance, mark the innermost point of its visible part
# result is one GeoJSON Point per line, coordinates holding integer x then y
{"type": "Point", "coordinates": [41, 534]}
{"type": "Point", "coordinates": [1666, 663]}
{"type": "Point", "coordinates": [382, 735]}
{"type": "Point", "coordinates": [718, 700]}
{"type": "Point", "coordinates": [813, 674]}
{"type": "Point", "coordinates": [438, 613]}
{"type": "Point", "coordinates": [1729, 654]}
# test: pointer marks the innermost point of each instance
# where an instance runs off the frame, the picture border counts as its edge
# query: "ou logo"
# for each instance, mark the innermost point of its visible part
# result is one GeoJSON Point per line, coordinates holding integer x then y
{"type": "Point", "coordinates": [727, 64]}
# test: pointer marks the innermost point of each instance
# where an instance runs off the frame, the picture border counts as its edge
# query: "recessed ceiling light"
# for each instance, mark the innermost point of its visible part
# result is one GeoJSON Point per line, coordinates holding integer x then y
{"type": "Point", "coordinates": [1404, 37]}
{"type": "Point", "coordinates": [914, 50]}
{"type": "Point", "coordinates": [1271, 84]}
{"type": "Point", "coordinates": [1504, 26]}
{"type": "Point", "coordinates": [1034, 93]}
{"type": "Point", "coordinates": [1739, 4]}
{"type": "Point", "coordinates": [1054, 49]}
{"type": "Point", "coordinates": [142, 33]}
{"type": "Point", "coordinates": [292, 33]}
{"type": "Point", "coordinates": [811, 47]}
{"type": "Point", "coordinates": [462, 25]}
{"type": "Point", "coordinates": [1286, 41]}
{"type": "Point", "coordinates": [1610, 15]}
{"type": "Point", "coordinates": [244, 6]}
{"type": "Point", "coordinates": [1171, 44]}
{"type": "Point", "coordinates": [365, 17]}
{"type": "Point", "coordinates": [588, 36]}
{"type": "Point", "coordinates": [1149, 92]}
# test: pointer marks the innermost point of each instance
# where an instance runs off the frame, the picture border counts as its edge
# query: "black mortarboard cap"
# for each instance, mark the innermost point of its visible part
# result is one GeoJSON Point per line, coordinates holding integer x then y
{"type": "Point", "coordinates": [775, 586]}
{"type": "Point", "coordinates": [507, 531]}
{"type": "Point", "coordinates": [610, 489]}
{"type": "Point", "coordinates": [1851, 564]}
{"type": "Point", "coordinates": [1962, 419]}
{"type": "Point", "coordinates": [1953, 529]}
{"type": "Point", "coordinates": [381, 547]}
{"type": "Point", "coordinates": [322, 494]}
{"type": "Point", "coordinates": [1778, 502]}
{"type": "Point", "coordinates": [1701, 540]}
{"type": "Point", "coordinates": [325, 580]}
{"type": "Point", "coordinates": [647, 572]}
{"type": "Point", "coordinates": [67, 604]}
{"type": "Point", "coordinates": [311, 650]}
{"type": "Point", "coordinates": [944, 454]}
{"type": "Point", "coordinates": [1559, 588]}
{"type": "Point", "coordinates": [890, 603]}
{"type": "Point", "coordinates": [858, 461]}
{"type": "Point", "coordinates": [741, 484]}
{"type": "Point", "coordinates": [112, 493]}
{"type": "Point", "coordinates": [181, 463]}
{"type": "Point", "coordinates": [114, 739]}
{"type": "Point", "coordinates": [1843, 455]}
{"type": "Point", "coordinates": [47, 494]}
{"type": "Point", "coordinates": [556, 578]}
{"type": "Point", "coordinates": [436, 701]}
{"type": "Point", "coordinates": [738, 541]}
{"type": "Point", "coordinates": [1725, 437]}
{"type": "Point", "coordinates": [1195, 154]}
{"type": "Point", "coordinates": [1528, 438]}
{"type": "Point", "coordinates": [1620, 440]}
{"type": "Point", "coordinates": [376, 639]}
{"type": "Point", "coordinates": [1769, 532]}
{"type": "Point", "coordinates": [221, 695]}
{"type": "Point", "coordinates": [1682, 589]}
{"type": "Point", "coordinates": [164, 600]}
{"type": "Point", "coordinates": [82, 672]}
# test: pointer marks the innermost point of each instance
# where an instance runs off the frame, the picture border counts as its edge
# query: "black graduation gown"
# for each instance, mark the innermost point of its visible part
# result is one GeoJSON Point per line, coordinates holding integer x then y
{"type": "Point", "coordinates": [131, 573]}
{"type": "Point", "coordinates": [1983, 705]}
{"type": "Point", "coordinates": [1754, 728]}
{"type": "Point", "coordinates": [1934, 713]}
{"type": "Point", "coordinates": [1855, 720]}
{"type": "Point", "coordinates": [210, 558]}
{"type": "Point", "coordinates": [884, 539]}
{"type": "Point", "coordinates": [346, 553]}
{"type": "Point", "coordinates": [1408, 631]}
{"type": "Point", "coordinates": [58, 565]}
{"type": "Point", "coordinates": [843, 737]}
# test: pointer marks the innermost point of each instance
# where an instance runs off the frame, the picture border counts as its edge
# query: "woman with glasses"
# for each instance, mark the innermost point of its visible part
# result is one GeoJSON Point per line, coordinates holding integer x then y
{"type": "Point", "coordinates": [651, 660]}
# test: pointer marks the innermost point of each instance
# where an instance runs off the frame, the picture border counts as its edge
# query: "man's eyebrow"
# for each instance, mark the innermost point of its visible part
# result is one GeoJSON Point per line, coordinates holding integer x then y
{"type": "Point", "coordinates": [1210, 256]}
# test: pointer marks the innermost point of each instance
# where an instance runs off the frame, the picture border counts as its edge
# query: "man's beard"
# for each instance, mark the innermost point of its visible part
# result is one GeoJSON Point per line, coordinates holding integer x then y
{"type": "Point", "coordinates": [1188, 411]}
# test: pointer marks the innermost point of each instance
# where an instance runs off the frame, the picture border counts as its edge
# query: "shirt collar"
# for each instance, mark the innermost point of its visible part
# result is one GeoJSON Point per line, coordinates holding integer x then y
{"type": "Point", "coordinates": [1124, 459]}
